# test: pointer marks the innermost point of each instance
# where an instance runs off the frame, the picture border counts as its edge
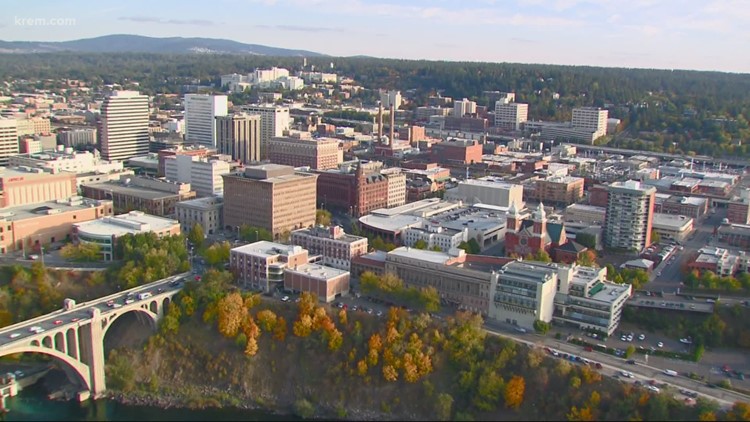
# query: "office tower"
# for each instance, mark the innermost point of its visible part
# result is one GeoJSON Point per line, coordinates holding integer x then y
{"type": "Point", "coordinates": [390, 98]}
{"type": "Point", "coordinates": [274, 122]}
{"type": "Point", "coordinates": [201, 111]}
{"type": "Point", "coordinates": [464, 107]}
{"type": "Point", "coordinates": [630, 211]}
{"type": "Point", "coordinates": [124, 125]}
{"type": "Point", "coordinates": [593, 119]}
{"type": "Point", "coordinates": [239, 135]}
{"type": "Point", "coordinates": [510, 116]}
{"type": "Point", "coordinates": [8, 139]}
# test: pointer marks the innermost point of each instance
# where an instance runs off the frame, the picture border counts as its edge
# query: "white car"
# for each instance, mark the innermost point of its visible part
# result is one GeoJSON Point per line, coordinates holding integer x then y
{"type": "Point", "coordinates": [660, 344]}
{"type": "Point", "coordinates": [686, 341]}
{"type": "Point", "coordinates": [15, 335]}
{"type": "Point", "coordinates": [626, 374]}
{"type": "Point", "coordinates": [285, 299]}
{"type": "Point", "coordinates": [642, 337]}
{"type": "Point", "coordinates": [35, 329]}
{"type": "Point", "coordinates": [653, 388]}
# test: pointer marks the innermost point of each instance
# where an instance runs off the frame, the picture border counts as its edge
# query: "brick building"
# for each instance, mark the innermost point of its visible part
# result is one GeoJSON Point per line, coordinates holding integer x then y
{"type": "Point", "coordinates": [336, 247]}
{"type": "Point", "coordinates": [318, 154]}
{"type": "Point", "coordinates": [528, 236]}
{"type": "Point", "coordinates": [358, 193]}
{"type": "Point", "coordinates": [559, 190]}
{"type": "Point", "coordinates": [457, 151]}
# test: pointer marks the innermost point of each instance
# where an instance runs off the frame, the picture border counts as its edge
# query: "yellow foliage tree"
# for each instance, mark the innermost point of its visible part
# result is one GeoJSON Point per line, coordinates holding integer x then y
{"type": "Point", "coordinates": [250, 328]}
{"type": "Point", "coordinates": [390, 373]}
{"type": "Point", "coordinates": [584, 414]}
{"type": "Point", "coordinates": [188, 305]}
{"type": "Point", "coordinates": [411, 372]}
{"type": "Point", "coordinates": [307, 302]}
{"type": "Point", "coordinates": [267, 320]}
{"type": "Point", "coordinates": [372, 357]}
{"type": "Point", "coordinates": [252, 300]}
{"type": "Point", "coordinates": [595, 399]}
{"type": "Point", "coordinates": [362, 368]}
{"type": "Point", "coordinates": [343, 317]}
{"type": "Point", "coordinates": [375, 343]}
{"type": "Point", "coordinates": [391, 335]}
{"type": "Point", "coordinates": [279, 331]}
{"type": "Point", "coordinates": [303, 326]}
{"type": "Point", "coordinates": [251, 348]}
{"type": "Point", "coordinates": [319, 316]}
{"type": "Point", "coordinates": [336, 339]}
{"type": "Point", "coordinates": [231, 313]}
{"type": "Point", "coordinates": [514, 391]}
{"type": "Point", "coordinates": [740, 412]}
{"type": "Point", "coordinates": [707, 416]}
{"type": "Point", "coordinates": [590, 376]}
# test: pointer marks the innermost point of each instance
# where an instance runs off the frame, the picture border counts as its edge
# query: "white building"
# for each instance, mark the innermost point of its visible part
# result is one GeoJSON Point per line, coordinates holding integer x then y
{"type": "Point", "coordinates": [203, 174]}
{"type": "Point", "coordinates": [672, 226]}
{"type": "Point", "coordinates": [65, 159]}
{"type": "Point", "coordinates": [489, 191]}
{"type": "Point", "coordinates": [274, 122]}
{"type": "Point", "coordinates": [390, 98]}
{"type": "Point", "coordinates": [105, 231]}
{"type": "Point", "coordinates": [434, 236]}
{"type": "Point", "coordinates": [205, 211]}
{"type": "Point", "coordinates": [291, 83]}
{"type": "Point", "coordinates": [8, 139]}
{"type": "Point", "coordinates": [201, 111]}
{"type": "Point", "coordinates": [396, 186]}
{"type": "Point", "coordinates": [464, 107]}
{"type": "Point", "coordinates": [522, 293]}
{"type": "Point", "coordinates": [335, 246]}
{"type": "Point", "coordinates": [592, 119]}
{"type": "Point", "coordinates": [511, 116]}
{"type": "Point", "coordinates": [124, 125]}
{"type": "Point", "coordinates": [630, 207]}
{"type": "Point", "coordinates": [76, 137]}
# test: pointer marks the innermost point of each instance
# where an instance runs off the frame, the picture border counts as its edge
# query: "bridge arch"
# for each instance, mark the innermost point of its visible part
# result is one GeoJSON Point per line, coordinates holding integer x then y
{"type": "Point", "coordinates": [107, 322]}
{"type": "Point", "coordinates": [79, 368]}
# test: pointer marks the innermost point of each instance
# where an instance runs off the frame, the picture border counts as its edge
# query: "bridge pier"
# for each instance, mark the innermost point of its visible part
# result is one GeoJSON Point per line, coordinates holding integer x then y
{"type": "Point", "coordinates": [92, 353]}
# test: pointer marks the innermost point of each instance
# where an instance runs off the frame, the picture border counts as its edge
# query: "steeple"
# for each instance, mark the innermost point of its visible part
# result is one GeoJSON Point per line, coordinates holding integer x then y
{"type": "Point", "coordinates": [539, 214]}
{"type": "Point", "coordinates": [539, 217]}
{"type": "Point", "coordinates": [513, 220]}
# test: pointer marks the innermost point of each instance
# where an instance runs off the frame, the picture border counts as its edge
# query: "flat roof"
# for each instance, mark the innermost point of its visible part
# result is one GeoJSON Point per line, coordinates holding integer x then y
{"type": "Point", "coordinates": [394, 223]}
{"type": "Point", "coordinates": [267, 249]}
{"type": "Point", "coordinates": [422, 255]}
{"type": "Point", "coordinates": [201, 203]}
{"type": "Point", "coordinates": [133, 222]}
{"type": "Point", "coordinates": [584, 207]}
{"type": "Point", "coordinates": [490, 182]}
{"type": "Point", "coordinates": [137, 191]}
{"type": "Point", "coordinates": [406, 208]}
{"type": "Point", "coordinates": [610, 292]}
{"type": "Point", "coordinates": [670, 221]}
{"type": "Point", "coordinates": [24, 212]}
{"type": "Point", "coordinates": [317, 271]}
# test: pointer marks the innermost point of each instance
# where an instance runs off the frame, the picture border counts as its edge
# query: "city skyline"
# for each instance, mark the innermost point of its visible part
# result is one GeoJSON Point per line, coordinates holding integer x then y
{"type": "Point", "coordinates": [637, 34]}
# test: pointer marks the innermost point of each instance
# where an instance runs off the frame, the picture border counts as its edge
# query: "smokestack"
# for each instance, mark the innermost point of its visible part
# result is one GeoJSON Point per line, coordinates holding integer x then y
{"type": "Point", "coordinates": [393, 125]}
{"type": "Point", "coordinates": [380, 121]}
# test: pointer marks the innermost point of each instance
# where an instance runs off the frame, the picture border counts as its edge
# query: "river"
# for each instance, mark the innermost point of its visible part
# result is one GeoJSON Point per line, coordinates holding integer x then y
{"type": "Point", "coordinates": [32, 405]}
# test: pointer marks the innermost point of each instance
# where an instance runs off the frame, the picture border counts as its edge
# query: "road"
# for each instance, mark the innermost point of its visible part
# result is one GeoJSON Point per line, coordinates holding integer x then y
{"type": "Point", "coordinates": [612, 365]}
{"type": "Point", "coordinates": [81, 313]}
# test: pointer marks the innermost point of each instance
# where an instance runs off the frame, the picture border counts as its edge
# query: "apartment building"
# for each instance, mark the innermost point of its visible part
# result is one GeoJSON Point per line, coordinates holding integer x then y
{"type": "Point", "coordinates": [270, 196]}
{"type": "Point", "coordinates": [592, 119]}
{"type": "Point", "coordinates": [396, 186]}
{"type": "Point", "coordinates": [77, 137]}
{"type": "Point", "coordinates": [124, 125]}
{"type": "Point", "coordinates": [202, 173]}
{"type": "Point", "coordinates": [630, 210]}
{"type": "Point", "coordinates": [510, 116]}
{"type": "Point", "coordinates": [335, 246]}
{"type": "Point", "coordinates": [559, 190]}
{"type": "Point", "coordinates": [261, 265]}
{"type": "Point", "coordinates": [8, 139]}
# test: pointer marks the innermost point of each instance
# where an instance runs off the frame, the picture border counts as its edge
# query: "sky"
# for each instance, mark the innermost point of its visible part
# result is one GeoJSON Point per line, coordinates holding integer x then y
{"type": "Point", "coordinates": [663, 34]}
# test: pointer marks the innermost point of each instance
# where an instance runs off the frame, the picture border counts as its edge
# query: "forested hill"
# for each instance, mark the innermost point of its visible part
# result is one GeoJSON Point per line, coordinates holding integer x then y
{"type": "Point", "coordinates": [662, 110]}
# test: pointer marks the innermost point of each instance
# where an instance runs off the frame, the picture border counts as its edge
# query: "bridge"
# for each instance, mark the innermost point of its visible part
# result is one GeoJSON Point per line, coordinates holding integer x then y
{"type": "Point", "coordinates": [74, 335]}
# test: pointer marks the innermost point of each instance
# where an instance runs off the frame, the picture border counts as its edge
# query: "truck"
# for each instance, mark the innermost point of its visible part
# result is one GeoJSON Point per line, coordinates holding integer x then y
{"type": "Point", "coordinates": [670, 372]}
{"type": "Point", "coordinates": [144, 295]}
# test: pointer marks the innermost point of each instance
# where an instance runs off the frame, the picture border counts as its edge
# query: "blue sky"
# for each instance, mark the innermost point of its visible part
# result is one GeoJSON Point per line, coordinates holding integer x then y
{"type": "Point", "coordinates": [669, 34]}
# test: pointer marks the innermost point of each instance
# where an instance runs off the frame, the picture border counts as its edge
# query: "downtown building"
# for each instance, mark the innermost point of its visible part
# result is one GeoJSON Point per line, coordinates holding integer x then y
{"type": "Point", "coordinates": [8, 139]}
{"type": "Point", "coordinates": [201, 111]}
{"type": "Point", "coordinates": [202, 173]}
{"type": "Point", "coordinates": [335, 246]}
{"type": "Point", "coordinates": [301, 151]}
{"type": "Point", "coordinates": [124, 125]}
{"type": "Point", "coordinates": [274, 122]}
{"type": "Point", "coordinates": [630, 212]}
{"type": "Point", "coordinates": [238, 135]}
{"type": "Point", "coordinates": [270, 196]}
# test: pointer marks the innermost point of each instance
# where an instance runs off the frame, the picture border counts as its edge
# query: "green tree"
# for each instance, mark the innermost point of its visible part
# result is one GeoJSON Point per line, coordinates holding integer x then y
{"type": "Point", "coordinates": [655, 236]}
{"type": "Point", "coordinates": [197, 236]}
{"type": "Point", "coordinates": [541, 327]}
{"type": "Point", "coordinates": [323, 217]}
{"type": "Point", "coordinates": [629, 351]}
{"type": "Point", "coordinates": [420, 244]}
{"type": "Point", "coordinates": [378, 244]}
{"type": "Point", "coordinates": [586, 239]}
{"type": "Point", "coordinates": [217, 254]}
{"type": "Point", "coordinates": [542, 256]}
{"type": "Point", "coordinates": [444, 407]}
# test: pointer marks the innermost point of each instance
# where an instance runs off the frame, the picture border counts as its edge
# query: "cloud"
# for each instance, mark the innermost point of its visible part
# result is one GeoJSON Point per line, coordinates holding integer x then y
{"type": "Point", "coordinates": [523, 40]}
{"type": "Point", "coordinates": [148, 19]}
{"type": "Point", "coordinates": [297, 28]}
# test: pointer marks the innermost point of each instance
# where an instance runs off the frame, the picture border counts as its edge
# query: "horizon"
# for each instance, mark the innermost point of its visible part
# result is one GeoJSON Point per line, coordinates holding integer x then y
{"type": "Point", "coordinates": [642, 34]}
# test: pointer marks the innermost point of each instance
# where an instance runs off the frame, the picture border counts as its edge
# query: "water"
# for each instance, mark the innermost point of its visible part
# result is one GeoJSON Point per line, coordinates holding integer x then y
{"type": "Point", "coordinates": [33, 405]}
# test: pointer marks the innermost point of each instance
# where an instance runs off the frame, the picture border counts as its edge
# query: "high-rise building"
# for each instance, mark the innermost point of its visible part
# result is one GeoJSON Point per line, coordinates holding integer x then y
{"type": "Point", "coordinates": [238, 135]}
{"type": "Point", "coordinates": [76, 137]}
{"type": "Point", "coordinates": [203, 174]}
{"type": "Point", "coordinates": [274, 122]}
{"type": "Point", "coordinates": [124, 125]}
{"type": "Point", "coordinates": [201, 111]}
{"type": "Point", "coordinates": [270, 196]}
{"type": "Point", "coordinates": [297, 151]}
{"type": "Point", "coordinates": [630, 211]}
{"type": "Point", "coordinates": [593, 119]}
{"type": "Point", "coordinates": [8, 139]}
{"type": "Point", "coordinates": [390, 98]}
{"type": "Point", "coordinates": [510, 116]}
{"type": "Point", "coordinates": [464, 107]}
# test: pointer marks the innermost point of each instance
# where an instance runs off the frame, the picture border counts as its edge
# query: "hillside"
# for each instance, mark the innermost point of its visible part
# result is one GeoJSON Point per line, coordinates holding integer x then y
{"type": "Point", "coordinates": [122, 43]}
{"type": "Point", "coordinates": [216, 348]}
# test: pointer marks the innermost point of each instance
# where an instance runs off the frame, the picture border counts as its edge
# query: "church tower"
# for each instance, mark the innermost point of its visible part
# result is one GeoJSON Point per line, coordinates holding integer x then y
{"type": "Point", "coordinates": [514, 219]}
{"type": "Point", "coordinates": [539, 217]}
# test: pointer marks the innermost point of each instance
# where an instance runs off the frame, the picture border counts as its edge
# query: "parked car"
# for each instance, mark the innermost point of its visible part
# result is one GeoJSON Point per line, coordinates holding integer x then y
{"type": "Point", "coordinates": [285, 299]}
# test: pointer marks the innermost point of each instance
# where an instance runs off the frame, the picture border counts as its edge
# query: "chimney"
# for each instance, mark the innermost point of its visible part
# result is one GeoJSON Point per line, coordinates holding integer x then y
{"type": "Point", "coordinates": [380, 121]}
{"type": "Point", "coordinates": [393, 125]}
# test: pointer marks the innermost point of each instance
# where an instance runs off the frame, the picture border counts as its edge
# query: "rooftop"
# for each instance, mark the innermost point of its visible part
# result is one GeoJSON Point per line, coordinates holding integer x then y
{"type": "Point", "coordinates": [421, 255]}
{"type": "Point", "coordinates": [201, 203]}
{"type": "Point", "coordinates": [670, 221]}
{"type": "Point", "coordinates": [609, 292]}
{"type": "Point", "coordinates": [136, 191]}
{"type": "Point", "coordinates": [133, 222]}
{"type": "Point", "coordinates": [316, 271]}
{"type": "Point", "coordinates": [267, 249]}
{"type": "Point", "coordinates": [24, 212]}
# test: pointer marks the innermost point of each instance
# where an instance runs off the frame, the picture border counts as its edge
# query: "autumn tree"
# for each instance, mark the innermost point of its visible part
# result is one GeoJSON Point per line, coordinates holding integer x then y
{"type": "Point", "coordinates": [267, 320]}
{"type": "Point", "coordinates": [197, 236]}
{"type": "Point", "coordinates": [390, 373]}
{"type": "Point", "coordinates": [323, 217]}
{"type": "Point", "coordinates": [582, 415]}
{"type": "Point", "coordinates": [514, 390]}
{"type": "Point", "coordinates": [740, 412]}
{"type": "Point", "coordinates": [231, 313]}
{"type": "Point", "coordinates": [362, 368]}
{"type": "Point", "coordinates": [444, 406]}
{"type": "Point", "coordinates": [303, 326]}
{"type": "Point", "coordinates": [279, 331]}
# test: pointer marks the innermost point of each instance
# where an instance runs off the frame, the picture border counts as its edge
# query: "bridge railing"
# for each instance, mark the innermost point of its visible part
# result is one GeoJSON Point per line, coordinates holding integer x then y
{"type": "Point", "coordinates": [78, 307]}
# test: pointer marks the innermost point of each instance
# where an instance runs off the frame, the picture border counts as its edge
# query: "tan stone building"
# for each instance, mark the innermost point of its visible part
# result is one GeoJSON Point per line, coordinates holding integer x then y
{"type": "Point", "coordinates": [270, 196]}
{"type": "Point", "coordinates": [559, 190]}
{"type": "Point", "coordinates": [23, 186]}
{"type": "Point", "coordinates": [29, 226]}
{"type": "Point", "coordinates": [298, 151]}
{"type": "Point", "coordinates": [336, 247]}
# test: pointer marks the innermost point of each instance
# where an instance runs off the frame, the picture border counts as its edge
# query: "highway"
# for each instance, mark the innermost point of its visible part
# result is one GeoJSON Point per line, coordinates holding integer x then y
{"type": "Point", "coordinates": [81, 313]}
